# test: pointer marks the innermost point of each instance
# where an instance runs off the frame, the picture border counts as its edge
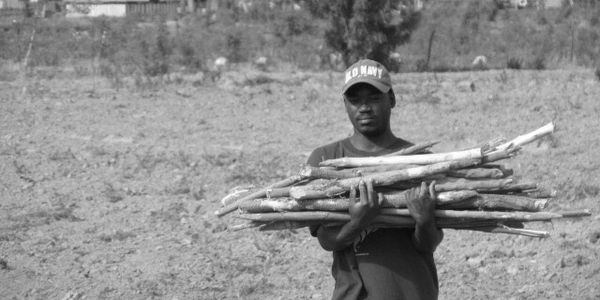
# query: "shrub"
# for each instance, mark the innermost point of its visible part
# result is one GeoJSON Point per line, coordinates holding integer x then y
{"type": "Point", "coordinates": [514, 63]}
{"type": "Point", "coordinates": [368, 29]}
{"type": "Point", "coordinates": [421, 65]}
{"type": "Point", "coordinates": [538, 63]}
{"type": "Point", "coordinates": [291, 24]}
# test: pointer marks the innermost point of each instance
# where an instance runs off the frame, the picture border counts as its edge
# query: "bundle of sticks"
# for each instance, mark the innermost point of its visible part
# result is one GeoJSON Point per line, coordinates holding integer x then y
{"type": "Point", "coordinates": [473, 191]}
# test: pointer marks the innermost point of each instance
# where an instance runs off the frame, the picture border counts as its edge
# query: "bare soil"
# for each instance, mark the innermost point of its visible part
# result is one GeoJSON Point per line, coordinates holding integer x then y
{"type": "Point", "coordinates": [110, 194]}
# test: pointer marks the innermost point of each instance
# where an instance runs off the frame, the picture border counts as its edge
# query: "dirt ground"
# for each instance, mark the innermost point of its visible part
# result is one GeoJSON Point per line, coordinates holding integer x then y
{"type": "Point", "coordinates": [110, 194]}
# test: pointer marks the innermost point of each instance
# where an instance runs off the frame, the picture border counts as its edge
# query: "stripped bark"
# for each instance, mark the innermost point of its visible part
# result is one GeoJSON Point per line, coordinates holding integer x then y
{"type": "Point", "coordinates": [395, 216]}
{"type": "Point", "coordinates": [379, 179]}
{"type": "Point", "coordinates": [478, 185]}
{"type": "Point", "coordinates": [326, 173]}
{"type": "Point", "coordinates": [393, 199]}
{"type": "Point", "coordinates": [498, 202]}
{"type": "Point", "coordinates": [259, 194]}
{"type": "Point", "coordinates": [528, 137]}
{"type": "Point", "coordinates": [419, 159]}
{"type": "Point", "coordinates": [486, 215]}
{"type": "Point", "coordinates": [414, 149]}
{"type": "Point", "coordinates": [477, 173]}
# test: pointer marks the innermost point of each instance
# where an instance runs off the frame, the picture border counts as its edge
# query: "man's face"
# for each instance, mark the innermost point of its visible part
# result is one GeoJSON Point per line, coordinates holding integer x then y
{"type": "Point", "coordinates": [368, 109]}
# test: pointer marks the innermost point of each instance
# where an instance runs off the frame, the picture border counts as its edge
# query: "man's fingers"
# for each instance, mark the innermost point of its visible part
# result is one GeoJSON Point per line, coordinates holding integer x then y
{"type": "Point", "coordinates": [432, 194]}
{"type": "Point", "coordinates": [370, 193]}
{"type": "Point", "coordinates": [352, 194]}
{"type": "Point", "coordinates": [379, 199]}
{"type": "Point", "coordinates": [363, 192]}
{"type": "Point", "coordinates": [423, 190]}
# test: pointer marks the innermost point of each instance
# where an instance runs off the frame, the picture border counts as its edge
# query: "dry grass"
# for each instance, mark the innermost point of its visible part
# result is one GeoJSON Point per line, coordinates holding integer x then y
{"type": "Point", "coordinates": [125, 183]}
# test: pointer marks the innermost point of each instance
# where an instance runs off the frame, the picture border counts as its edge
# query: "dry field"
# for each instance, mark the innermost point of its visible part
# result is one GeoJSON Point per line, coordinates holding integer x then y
{"type": "Point", "coordinates": [110, 194]}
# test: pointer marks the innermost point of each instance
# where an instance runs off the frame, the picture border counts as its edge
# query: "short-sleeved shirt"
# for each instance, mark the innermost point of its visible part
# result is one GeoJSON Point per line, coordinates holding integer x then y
{"type": "Point", "coordinates": [385, 264]}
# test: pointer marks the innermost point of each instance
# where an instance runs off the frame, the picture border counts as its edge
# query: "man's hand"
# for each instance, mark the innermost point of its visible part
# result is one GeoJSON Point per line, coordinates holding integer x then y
{"type": "Point", "coordinates": [421, 203]}
{"type": "Point", "coordinates": [364, 209]}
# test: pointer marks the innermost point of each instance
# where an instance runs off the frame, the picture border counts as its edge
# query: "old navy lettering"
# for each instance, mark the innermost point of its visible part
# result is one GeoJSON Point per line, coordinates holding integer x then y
{"type": "Point", "coordinates": [363, 71]}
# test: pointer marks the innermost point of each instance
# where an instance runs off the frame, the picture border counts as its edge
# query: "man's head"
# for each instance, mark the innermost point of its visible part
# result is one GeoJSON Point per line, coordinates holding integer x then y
{"type": "Point", "coordinates": [368, 97]}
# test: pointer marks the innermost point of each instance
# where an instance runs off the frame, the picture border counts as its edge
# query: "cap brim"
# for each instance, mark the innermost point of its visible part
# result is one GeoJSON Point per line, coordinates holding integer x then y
{"type": "Point", "coordinates": [377, 84]}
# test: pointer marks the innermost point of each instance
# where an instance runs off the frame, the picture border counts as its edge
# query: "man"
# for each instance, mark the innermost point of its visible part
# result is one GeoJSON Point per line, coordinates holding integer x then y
{"type": "Point", "coordinates": [368, 262]}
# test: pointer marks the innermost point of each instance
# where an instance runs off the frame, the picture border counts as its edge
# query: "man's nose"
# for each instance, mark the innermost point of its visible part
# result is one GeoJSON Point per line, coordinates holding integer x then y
{"type": "Point", "coordinates": [364, 106]}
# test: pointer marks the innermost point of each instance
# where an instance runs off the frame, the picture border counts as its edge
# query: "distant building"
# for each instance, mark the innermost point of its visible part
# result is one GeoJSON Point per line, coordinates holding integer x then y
{"type": "Point", "coordinates": [120, 8]}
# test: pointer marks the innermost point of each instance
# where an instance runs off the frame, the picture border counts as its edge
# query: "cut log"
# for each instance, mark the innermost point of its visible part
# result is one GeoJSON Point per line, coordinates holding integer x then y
{"type": "Point", "coordinates": [449, 197]}
{"type": "Point", "coordinates": [379, 179]}
{"type": "Point", "coordinates": [377, 169]}
{"type": "Point", "coordinates": [478, 185]}
{"type": "Point", "coordinates": [326, 173]}
{"type": "Point", "coordinates": [259, 194]}
{"type": "Point", "coordinates": [419, 159]}
{"type": "Point", "coordinates": [528, 137]}
{"type": "Point", "coordinates": [243, 226]}
{"type": "Point", "coordinates": [414, 149]}
{"type": "Point", "coordinates": [402, 216]}
{"type": "Point", "coordinates": [396, 199]}
{"type": "Point", "coordinates": [511, 230]}
{"type": "Point", "coordinates": [487, 215]}
{"type": "Point", "coordinates": [498, 202]}
{"type": "Point", "coordinates": [477, 173]}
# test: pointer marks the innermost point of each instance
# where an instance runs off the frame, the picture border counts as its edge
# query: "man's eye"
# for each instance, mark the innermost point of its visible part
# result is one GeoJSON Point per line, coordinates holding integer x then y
{"type": "Point", "coordinates": [353, 100]}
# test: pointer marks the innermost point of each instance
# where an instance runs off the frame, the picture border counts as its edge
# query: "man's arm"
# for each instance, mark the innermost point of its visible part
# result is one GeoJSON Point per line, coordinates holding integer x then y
{"type": "Point", "coordinates": [421, 206]}
{"type": "Point", "coordinates": [362, 211]}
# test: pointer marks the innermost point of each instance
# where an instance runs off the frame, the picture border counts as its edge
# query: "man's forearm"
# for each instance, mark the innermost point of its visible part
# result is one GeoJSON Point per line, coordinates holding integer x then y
{"type": "Point", "coordinates": [338, 238]}
{"type": "Point", "coordinates": [427, 236]}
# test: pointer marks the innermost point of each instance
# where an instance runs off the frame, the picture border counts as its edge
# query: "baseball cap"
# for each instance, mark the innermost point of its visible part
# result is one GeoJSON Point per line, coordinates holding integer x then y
{"type": "Point", "coordinates": [367, 71]}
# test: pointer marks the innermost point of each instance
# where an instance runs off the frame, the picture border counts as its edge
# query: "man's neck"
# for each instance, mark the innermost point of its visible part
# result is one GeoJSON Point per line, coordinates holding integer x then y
{"type": "Point", "coordinates": [372, 143]}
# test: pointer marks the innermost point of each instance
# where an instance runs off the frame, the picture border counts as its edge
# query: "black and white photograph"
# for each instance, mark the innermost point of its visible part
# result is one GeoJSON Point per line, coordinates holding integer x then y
{"type": "Point", "coordinates": [299, 149]}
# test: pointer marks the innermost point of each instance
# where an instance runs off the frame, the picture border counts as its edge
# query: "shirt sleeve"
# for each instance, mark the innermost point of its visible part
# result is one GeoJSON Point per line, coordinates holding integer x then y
{"type": "Point", "coordinates": [318, 155]}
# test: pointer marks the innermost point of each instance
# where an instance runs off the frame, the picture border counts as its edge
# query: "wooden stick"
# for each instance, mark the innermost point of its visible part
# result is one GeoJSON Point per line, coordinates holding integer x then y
{"type": "Point", "coordinates": [503, 168]}
{"type": "Point", "coordinates": [419, 159]}
{"type": "Point", "coordinates": [379, 179]}
{"type": "Point", "coordinates": [500, 154]}
{"type": "Point", "coordinates": [404, 216]}
{"type": "Point", "coordinates": [529, 137]}
{"type": "Point", "coordinates": [289, 225]}
{"type": "Point", "coordinates": [243, 226]}
{"type": "Point", "coordinates": [449, 197]}
{"type": "Point", "coordinates": [499, 228]}
{"type": "Point", "coordinates": [392, 199]}
{"type": "Point", "coordinates": [326, 173]}
{"type": "Point", "coordinates": [236, 194]}
{"type": "Point", "coordinates": [259, 194]}
{"type": "Point", "coordinates": [498, 202]}
{"type": "Point", "coordinates": [478, 185]}
{"type": "Point", "coordinates": [511, 188]}
{"type": "Point", "coordinates": [302, 216]}
{"type": "Point", "coordinates": [382, 168]}
{"type": "Point", "coordinates": [477, 173]}
{"type": "Point", "coordinates": [414, 149]}
{"type": "Point", "coordinates": [487, 215]}
{"type": "Point", "coordinates": [511, 230]}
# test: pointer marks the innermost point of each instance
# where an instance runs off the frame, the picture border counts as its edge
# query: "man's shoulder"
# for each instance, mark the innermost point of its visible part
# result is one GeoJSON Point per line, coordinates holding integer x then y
{"type": "Point", "coordinates": [327, 151]}
{"type": "Point", "coordinates": [332, 146]}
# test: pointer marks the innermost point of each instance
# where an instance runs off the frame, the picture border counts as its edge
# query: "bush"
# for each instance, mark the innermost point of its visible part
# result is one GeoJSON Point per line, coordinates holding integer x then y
{"type": "Point", "coordinates": [514, 63]}
{"type": "Point", "coordinates": [421, 65]}
{"type": "Point", "coordinates": [538, 63]}
{"type": "Point", "coordinates": [368, 29]}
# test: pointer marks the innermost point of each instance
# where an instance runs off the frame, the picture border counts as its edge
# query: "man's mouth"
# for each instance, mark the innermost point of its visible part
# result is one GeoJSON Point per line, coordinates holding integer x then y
{"type": "Point", "coordinates": [365, 120]}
